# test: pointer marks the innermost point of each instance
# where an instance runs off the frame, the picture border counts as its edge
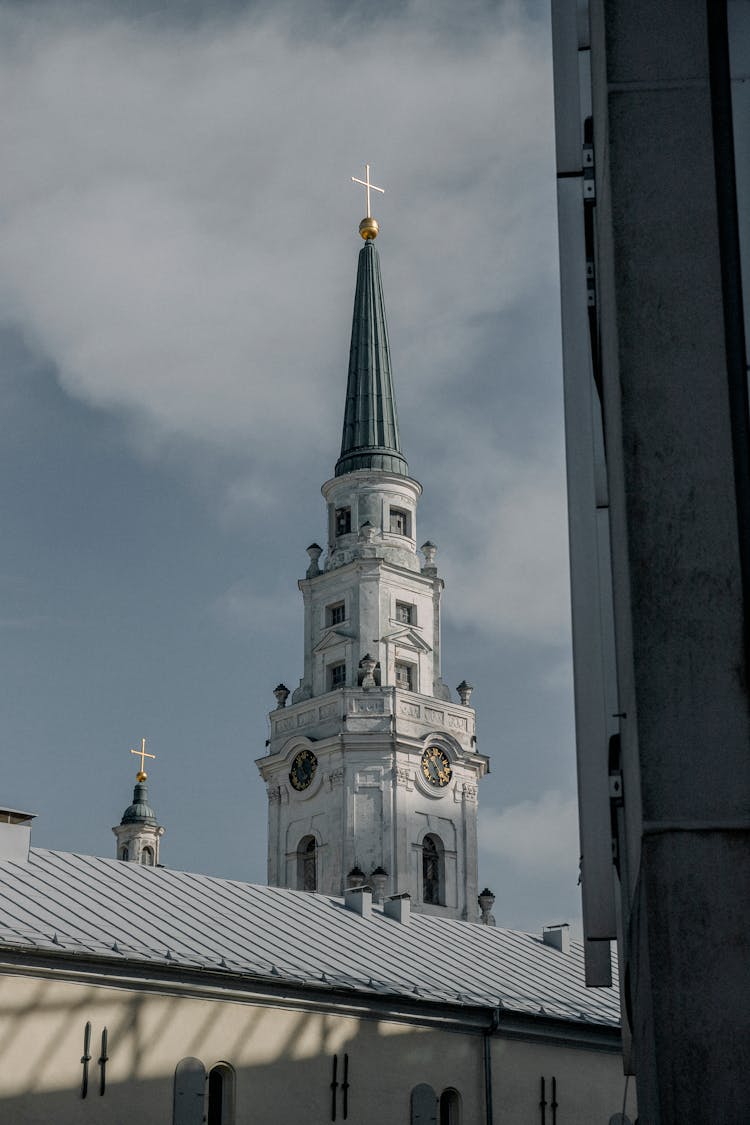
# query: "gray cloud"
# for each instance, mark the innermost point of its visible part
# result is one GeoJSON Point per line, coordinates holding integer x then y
{"type": "Point", "coordinates": [178, 242]}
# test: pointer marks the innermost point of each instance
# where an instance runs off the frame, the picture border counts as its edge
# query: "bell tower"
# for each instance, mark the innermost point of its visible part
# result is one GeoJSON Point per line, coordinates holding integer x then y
{"type": "Point", "coordinates": [372, 768]}
{"type": "Point", "coordinates": [139, 834]}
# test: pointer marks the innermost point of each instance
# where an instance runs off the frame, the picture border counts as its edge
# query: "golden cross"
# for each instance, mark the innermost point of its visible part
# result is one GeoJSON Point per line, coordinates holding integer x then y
{"type": "Point", "coordinates": [142, 775]}
{"type": "Point", "coordinates": [368, 187]}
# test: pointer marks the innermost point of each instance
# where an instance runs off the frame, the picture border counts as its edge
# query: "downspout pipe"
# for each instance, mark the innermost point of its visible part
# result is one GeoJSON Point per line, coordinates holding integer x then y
{"type": "Point", "coordinates": [487, 1044]}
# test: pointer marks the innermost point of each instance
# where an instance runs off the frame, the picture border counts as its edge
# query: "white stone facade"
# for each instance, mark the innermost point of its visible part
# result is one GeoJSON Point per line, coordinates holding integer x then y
{"type": "Point", "coordinates": [369, 704]}
{"type": "Point", "coordinates": [138, 843]}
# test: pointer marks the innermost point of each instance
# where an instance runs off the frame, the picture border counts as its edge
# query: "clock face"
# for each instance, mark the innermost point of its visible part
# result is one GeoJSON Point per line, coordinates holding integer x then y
{"type": "Point", "coordinates": [303, 769]}
{"type": "Point", "coordinates": [436, 769]}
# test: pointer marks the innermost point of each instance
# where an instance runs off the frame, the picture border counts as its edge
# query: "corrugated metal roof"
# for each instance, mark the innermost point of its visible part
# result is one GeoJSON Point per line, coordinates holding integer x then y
{"type": "Point", "coordinates": [85, 905]}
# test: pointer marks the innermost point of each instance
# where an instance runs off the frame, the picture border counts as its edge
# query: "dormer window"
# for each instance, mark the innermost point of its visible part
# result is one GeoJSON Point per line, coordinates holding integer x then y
{"type": "Point", "coordinates": [343, 521]}
{"type": "Point", "coordinates": [399, 522]}
{"type": "Point", "coordinates": [335, 614]}
{"type": "Point", "coordinates": [405, 613]}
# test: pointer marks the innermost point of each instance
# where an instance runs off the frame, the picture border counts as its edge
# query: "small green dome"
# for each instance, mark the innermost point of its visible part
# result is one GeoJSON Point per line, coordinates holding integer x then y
{"type": "Point", "coordinates": [140, 812]}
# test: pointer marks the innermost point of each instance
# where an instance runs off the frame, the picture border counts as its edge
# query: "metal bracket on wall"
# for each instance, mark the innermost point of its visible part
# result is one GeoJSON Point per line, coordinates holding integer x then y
{"type": "Point", "coordinates": [589, 183]}
{"type": "Point", "coordinates": [85, 1060]}
{"type": "Point", "coordinates": [334, 1087]}
{"type": "Point", "coordinates": [102, 1063]}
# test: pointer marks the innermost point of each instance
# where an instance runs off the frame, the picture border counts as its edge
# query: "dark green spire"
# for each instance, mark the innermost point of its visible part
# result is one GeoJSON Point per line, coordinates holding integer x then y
{"type": "Point", "coordinates": [370, 437]}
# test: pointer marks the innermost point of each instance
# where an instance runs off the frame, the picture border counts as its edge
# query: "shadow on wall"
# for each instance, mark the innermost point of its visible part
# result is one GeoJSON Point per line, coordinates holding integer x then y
{"type": "Point", "coordinates": [160, 1058]}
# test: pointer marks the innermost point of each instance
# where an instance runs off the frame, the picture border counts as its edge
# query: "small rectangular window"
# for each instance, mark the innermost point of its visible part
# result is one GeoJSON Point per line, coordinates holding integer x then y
{"type": "Point", "coordinates": [405, 676]}
{"type": "Point", "coordinates": [343, 521]}
{"type": "Point", "coordinates": [405, 613]}
{"type": "Point", "coordinates": [399, 524]}
{"type": "Point", "coordinates": [337, 675]}
{"type": "Point", "coordinates": [335, 614]}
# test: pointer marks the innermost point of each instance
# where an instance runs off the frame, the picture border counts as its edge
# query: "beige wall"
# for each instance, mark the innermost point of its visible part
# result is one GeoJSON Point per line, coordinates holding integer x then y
{"type": "Point", "coordinates": [282, 1057]}
{"type": "Point", "coordinates": [590, 1084]}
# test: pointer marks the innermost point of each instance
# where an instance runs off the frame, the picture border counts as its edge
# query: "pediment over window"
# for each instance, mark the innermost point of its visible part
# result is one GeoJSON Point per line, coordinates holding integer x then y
{"type": "Point", "coordinates": [408, 638]}
{"type": "Point", "coordinates": [331, 638]}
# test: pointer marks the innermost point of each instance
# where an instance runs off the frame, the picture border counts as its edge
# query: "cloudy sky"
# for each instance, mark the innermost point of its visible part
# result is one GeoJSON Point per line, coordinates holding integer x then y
{"type": "Point", "coordinates": [178, 251]}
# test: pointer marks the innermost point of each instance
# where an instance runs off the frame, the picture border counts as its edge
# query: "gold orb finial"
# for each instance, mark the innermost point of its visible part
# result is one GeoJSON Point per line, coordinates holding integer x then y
{"type": "Point", "coordinates": [369, 228]}
{"type": "Point", "coordinates": [141, 775]}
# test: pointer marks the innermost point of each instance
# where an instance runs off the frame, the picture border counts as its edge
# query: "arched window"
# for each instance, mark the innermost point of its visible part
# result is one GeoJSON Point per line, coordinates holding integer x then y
{"type": "Point", "coordinates": [189, 1093]}
{"type": "Point", "coordinates": [147, 856]}
{"type": "Point", "coordinates": [450, 1107]}
{"type": "Point", "coordinates": [220, 1095]}
{"type": "Point", "coordinates": [124, 853]}
{"type": "Point", "coordinates": [433, 871]}
{"type": "Point", "coordinates": [307, 865]}
{"type": "Point", "coordinates": [423, 1105]}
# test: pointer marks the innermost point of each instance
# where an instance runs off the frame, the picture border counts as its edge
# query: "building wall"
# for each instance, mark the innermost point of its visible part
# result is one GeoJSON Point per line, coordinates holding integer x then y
{"type": "Point", "coordinates": [588, 1086]}
{"type": "Point", "coordinates": [281, 1053]}
{"type": "Point", "coordinates": [664, 334]}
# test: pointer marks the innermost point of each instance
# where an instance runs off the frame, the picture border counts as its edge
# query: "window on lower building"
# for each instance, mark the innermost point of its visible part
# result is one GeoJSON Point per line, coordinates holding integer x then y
{"type": "Point", "coordinates": [450, 1107]}
{"type": "Point", "coordinates": [424, 1105]}
{"type": "Point", "coordinates": [335, 614]}
{"type": "Point", "coordinates": [399, 522]}
{"type": "Point", "coordinates": [220, 1095]}
{"type": "Point", "coordinates": [147, 856]}
{"type": "Point", "coordinates": [307, 864]}
{"type": "Point", "coordinates": [405, 613]}
{"type": "Point", "coordinates": [337, 675]}
{"type": "Point", "coordinates": [405, 676]}
{"type": "Point", "coordinates": [343, 521]}
{"type": "Point", "coordinates": [433, 880]}
{"type": "Point", "coordinates": [189, 1096]}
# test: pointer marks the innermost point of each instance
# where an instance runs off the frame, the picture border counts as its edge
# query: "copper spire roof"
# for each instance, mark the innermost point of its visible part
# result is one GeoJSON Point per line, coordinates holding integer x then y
{"type": "Point", "coordinates": [370, 437]}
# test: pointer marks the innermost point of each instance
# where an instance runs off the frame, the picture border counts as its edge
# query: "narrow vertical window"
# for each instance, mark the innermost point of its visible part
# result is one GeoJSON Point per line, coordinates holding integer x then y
{"type": "Point", "coordinates": [424, 1105]}
{"type": "Point", "coordinates": [405, 676]}
{"type": "Point", "coordinates": [147, 856]}
{"type": "Point", "coordinates": [343, 521]}
{"type": "Point", "coordinates": [124, 853]}
{"type": "Point", "coordinates": [189, 1097]}
{"type": "Point", "coordinates": [220, 1095]}
{"type": "Point", "coordinates": [307, 864]}
{"type": "Point", "coordinates": [433, 891]}
{"type": "Point", "coordinates": [337, 675]}
{"type": "Point", "coordinates": [450, 1107]}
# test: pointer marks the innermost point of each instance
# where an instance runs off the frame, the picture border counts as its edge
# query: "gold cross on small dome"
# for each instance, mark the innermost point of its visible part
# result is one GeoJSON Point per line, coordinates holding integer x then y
{"type": "Point", "coordinates": [142, 754]}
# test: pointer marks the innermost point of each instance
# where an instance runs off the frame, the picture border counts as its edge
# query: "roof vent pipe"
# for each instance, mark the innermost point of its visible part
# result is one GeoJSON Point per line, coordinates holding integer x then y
{"type": "Point", "coordinates": [15, 834]}
{"type": "Point", "coordinates": [359, 899]}
{"type": "Point", "coordinates": [558, 936]}
{"type": "Point", "coordinates": [398, 907]}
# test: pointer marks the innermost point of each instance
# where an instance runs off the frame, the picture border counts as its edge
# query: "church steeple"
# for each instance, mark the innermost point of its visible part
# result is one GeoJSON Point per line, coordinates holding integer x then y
{"type": "Point", "coordinates": [370, 437]}
{"type": "Point", "coordinates": [372, 768]}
